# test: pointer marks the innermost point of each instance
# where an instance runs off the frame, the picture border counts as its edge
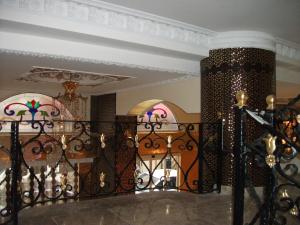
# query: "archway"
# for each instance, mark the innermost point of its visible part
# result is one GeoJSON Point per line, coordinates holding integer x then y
{"type": "Point", "coordinates": [180, 114]}
{"type": "Point", "coordinates": [155, 157]}
{"type": "Point", "coordinates": [30, 107]}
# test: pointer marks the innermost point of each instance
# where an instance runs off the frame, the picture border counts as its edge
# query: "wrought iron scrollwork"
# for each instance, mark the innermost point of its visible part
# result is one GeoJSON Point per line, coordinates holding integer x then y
{"type": "Point", "coordinates": [277, 149]}
{"type": "Point", "coordinates": [71, 160]}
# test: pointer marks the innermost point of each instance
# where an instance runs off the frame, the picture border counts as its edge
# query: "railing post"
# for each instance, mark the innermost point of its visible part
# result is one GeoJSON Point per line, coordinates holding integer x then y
{"type": "Point", "coordinates": [15, 167]}
{"type": "Point", "coordinates": [239, 167]}
{"type": "Point", "coordinates": [268, 214]}
{"type": "Point", "coordinates": [200, 159]}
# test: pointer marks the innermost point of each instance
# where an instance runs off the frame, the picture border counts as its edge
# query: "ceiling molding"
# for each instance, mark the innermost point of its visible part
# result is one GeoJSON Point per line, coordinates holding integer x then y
{"type": "Point", "coordinates": [115, 17]}
{"type": "Point", "coordinates": [287, 49]}
{"type": "Point", "coordinates": [245, 39]}
{"type": "Point", "coordinates": [101, 14]}
{"type": "Point", "coordinates": [94, 61]}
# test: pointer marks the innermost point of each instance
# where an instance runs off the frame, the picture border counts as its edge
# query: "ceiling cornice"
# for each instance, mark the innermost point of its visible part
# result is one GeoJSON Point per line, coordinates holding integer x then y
{"type": "Point", "coordinates": [144, 15]}
{"type": "Point", "coordinates": [96, 61]}
{"type": "Point", "coordinates": [115, 17]}
{"type": "Point", "coordinates": [245, 39]}
{"type": "Point", "coordinates": [137, 24]}
{"type": "Point", "coordinates": [287, 49]}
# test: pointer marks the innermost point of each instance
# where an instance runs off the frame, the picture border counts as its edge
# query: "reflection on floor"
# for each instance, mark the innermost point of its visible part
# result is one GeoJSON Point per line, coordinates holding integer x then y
{"type": "Point", "coordinates": [153, 208]}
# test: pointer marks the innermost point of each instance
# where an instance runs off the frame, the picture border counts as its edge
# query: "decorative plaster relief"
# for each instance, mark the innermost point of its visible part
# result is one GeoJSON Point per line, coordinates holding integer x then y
{"type": "Point", "coordinates": [96, 61]}
{"type": "Point", "coordinates": [134, 24]}
{"type": "Point", "coordinates": [54, 75]}
{"type": "Point", "coordinates": [36, 5]}
{"type": "Point", "coordinates": [120, 18]}
{"type": "Point", "coordinates": [101, 13]}
{"type": "Point", "coordinates": [285, 49]}
{"type": "Point", "coordinates": [57, 8]}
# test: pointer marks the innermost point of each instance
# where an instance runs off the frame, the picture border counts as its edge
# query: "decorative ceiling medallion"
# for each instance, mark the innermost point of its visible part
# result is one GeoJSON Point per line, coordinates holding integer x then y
{"type": "Point", "coordinates": [54, 75]}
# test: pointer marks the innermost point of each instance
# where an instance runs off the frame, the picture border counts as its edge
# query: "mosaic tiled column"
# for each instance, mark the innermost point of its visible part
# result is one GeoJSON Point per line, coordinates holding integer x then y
{"type": "Point", "coordinates": [225, 72]}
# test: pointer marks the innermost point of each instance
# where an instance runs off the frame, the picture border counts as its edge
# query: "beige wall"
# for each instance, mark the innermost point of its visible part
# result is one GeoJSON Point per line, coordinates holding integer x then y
{"type": "Point", "coordinates": [184, 93]}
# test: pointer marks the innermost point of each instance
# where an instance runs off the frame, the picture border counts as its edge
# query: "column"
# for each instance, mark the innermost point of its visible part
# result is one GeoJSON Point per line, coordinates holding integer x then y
{"type": "Point", "coordinates": [238, 61]}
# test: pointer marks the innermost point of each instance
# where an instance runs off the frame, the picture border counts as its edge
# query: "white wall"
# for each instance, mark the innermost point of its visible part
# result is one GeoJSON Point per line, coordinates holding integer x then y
{"type": "Point", "coordinates": [183, 93]}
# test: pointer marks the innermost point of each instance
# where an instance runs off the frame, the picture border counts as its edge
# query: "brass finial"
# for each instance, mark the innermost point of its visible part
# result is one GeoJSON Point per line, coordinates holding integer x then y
{"type": "Point", "coordinates": [102, 179]}
{"type": "Point", "coordinates": [169, 145]}
{"type": "Point", "coordinates": [136, 141]}
{"type": "Point", "coordinates": [168, 175]}
{"type": "Point", "coordinates": [270, 142]}
{"type": "Point", "coordinates": [271, 102]}
{"type": "Point", "coordinates": [284, 194]}
{"type": "Point", "coordinates": [63, 142]}
{"type": "Point", "coordinates": [294, 211]}
{"type": "Point", "coordinates": [102, 140]}
{"type": "Point", "coordinates": [219, 115]}
{"type": "Point", "coordinates": [63, 181]}
{"type": "Point", "coordinates": [241, 98]}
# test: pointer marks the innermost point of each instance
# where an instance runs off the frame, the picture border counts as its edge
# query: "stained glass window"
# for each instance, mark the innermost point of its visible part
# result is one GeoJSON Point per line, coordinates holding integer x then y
{"type": "Point", "coordinates": [31, 107]}
{"type": "Point", "coordinates": [159, 113]}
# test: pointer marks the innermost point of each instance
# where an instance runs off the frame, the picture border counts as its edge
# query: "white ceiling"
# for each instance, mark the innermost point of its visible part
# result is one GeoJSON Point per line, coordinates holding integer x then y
{"type": "Point", "coordinates": [58, 40]}
{"type": "Point", "coordinates": [14, 66]}
{"type": "Point", "coordinates": [280, 18]}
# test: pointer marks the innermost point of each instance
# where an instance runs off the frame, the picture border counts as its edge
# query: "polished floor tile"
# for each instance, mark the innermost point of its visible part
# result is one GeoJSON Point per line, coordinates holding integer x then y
{"type": "Point", "coordinates": [154, 208]}
{"type": "Point", "coordinates": [164, 208]}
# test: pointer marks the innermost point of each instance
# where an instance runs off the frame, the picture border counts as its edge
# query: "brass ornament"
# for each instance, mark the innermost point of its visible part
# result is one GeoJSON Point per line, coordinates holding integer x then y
{"type": "Point", "coordinates": [64, 142]}
{"type": "Point", "coordinates": [219, 115]}
{"type": "Point", "coordinates": [63, 181]}
{"type": "Point", "coordinates": [102, 179]}
{"type": "Point", "coordinates": [294, 211]}
{"type": "Point", "coordinates": [129, 139]}
{"type": "Point", "coordinates": [271, 102]}
{"type": "Point", "coordinates": [102, 140]}
{"type": "Point", "coordinates": [169, 145]}
{"type": "Point", "coordinates": [288, 151]}
{"type": "Point", "coordinates": [284, 194]}
{"type": "Point", "coordinates": [167, 175]}
{"type": "Point", "coordinates": [270, 142]}
{"type": "Point", "coordinates": [271, 160]}
{"type": "Point", "coordinates": [241, 98]}
{"type": "Point", "coordinates": [136, 141]}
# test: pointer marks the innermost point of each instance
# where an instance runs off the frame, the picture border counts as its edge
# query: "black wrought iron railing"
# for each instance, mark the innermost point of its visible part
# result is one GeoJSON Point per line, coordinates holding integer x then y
{"type": "Point", "coordinates": [276, 152]}
{"type": "Point", "coordinates": [53, 161]}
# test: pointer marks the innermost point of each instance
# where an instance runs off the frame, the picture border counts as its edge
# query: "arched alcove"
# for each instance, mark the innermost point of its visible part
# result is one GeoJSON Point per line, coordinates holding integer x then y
{"type": "Point", "coordinates": [159, 113]}
{"type": "Point", "coordinates": [180, 114]}
{"type": "Point", "coordinates": [156, 110]}
{"type": "Point", "coordinates": [31, 107]}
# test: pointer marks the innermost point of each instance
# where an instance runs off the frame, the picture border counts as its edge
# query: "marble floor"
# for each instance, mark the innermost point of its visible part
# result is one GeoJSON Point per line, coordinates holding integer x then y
{"type": "Point", "coordinates": [154, 208]}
